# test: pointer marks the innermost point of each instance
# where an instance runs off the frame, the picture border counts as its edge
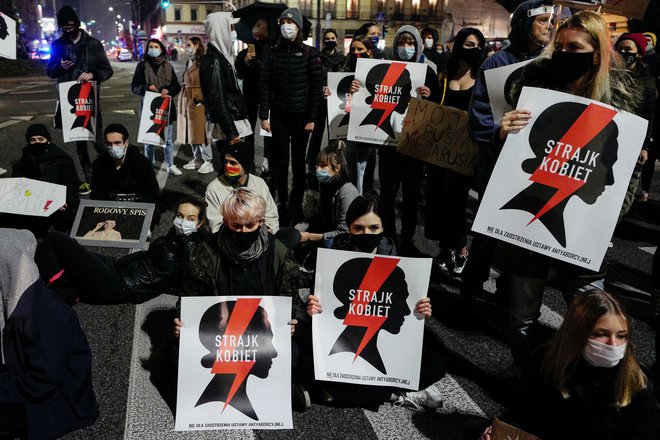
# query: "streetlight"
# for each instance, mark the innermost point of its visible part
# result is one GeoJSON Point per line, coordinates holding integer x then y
{"type": "Point", "coordinates": [111, 8]}
{"type": "Point", "coordinates": [118, 16]}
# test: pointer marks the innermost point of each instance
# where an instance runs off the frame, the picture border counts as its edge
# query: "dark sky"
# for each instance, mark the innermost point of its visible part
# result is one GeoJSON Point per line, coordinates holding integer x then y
{"type": "Point", "coordinates": [97, 10]}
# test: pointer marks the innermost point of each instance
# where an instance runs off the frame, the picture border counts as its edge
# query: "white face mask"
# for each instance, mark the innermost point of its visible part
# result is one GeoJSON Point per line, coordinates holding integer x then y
{"type": "Point", "coordinates": [184, 227]}
{"type": "Point", "coordinates": [190, 51]}
{"type": "Point", "coordinates": [154, 53]}
{"type": "Point", "coordinates": [405, 53]}
{"type": "Point", "coordinates": [117, 152]}
{"type": "Point", "coordinates": [234, 36]}
{"type": "Point", "coordinates": [603, 355]}
{"type": "Point", "coordinates": [428, 42]}
{"type": "Point", "coordinates": [289, 31]}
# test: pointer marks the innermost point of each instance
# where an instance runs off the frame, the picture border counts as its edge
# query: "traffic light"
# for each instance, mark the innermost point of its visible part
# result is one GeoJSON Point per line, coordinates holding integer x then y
{"type": "Point", "coordinates": [384, 30]}
{"type": "Point", "coordinates": [164, 4]}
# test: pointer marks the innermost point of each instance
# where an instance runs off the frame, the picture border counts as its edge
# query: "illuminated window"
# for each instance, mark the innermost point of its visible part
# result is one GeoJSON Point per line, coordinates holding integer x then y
{"type": "Point", "coordinates": [352, 9]}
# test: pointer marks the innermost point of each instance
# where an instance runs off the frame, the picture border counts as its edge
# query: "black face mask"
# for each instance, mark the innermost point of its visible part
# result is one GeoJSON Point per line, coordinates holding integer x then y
{"type": "Point", "coordinates": [244, 240]}
{"type": "Point", "coordinates": [628, 58]}
{"type": "Point", "coordinates": [37, 149]}
{"type": "Point", "coordinates": [366, 242]}
{"type": "Point", "coordinates": [470, 56]}
{"type": "Point", "coordinates": [330, 44]}
{"type": "Point", "coordinates": [351, 61]}
{"type": "Point", "coordinates": [570, 66]}
{"type": "Point", "coordinates": [72, 34]}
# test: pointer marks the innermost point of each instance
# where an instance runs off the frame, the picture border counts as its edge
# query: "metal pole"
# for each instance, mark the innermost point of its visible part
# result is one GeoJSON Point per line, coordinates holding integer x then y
{"type": "Point", "coordinates": [318, 24]}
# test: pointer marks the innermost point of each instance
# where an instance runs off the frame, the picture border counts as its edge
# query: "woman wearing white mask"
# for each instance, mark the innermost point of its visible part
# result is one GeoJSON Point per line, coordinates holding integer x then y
{"type": "Point", "coordinates": [586, 384]}
{"type": "Point", "coordinates": [76, 273]}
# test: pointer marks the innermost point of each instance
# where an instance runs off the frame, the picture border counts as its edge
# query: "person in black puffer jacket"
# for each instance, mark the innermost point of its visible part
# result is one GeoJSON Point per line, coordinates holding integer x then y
{"type": "Point", "coordinates": [75, 272]}
{"type": "Point", "coordinates": [291, 86]}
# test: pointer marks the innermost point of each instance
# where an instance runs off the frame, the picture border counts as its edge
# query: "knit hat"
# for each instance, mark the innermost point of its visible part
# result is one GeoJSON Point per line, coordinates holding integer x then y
{"type": "Point", "coordinates": [652, 36]}
{"type": "Point", "coordinates": [66, 15]}
{"type": "Point", "coordinates": [638, 39]}
{"type": "Point", "coordinates": [37, 130]}
{"type": "Point", "coordinates": [243, 152]}
{"type": "Point", "coordinates": [294, 15]}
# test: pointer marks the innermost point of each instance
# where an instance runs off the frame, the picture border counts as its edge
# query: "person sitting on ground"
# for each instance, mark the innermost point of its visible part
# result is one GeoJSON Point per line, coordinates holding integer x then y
{"type": "Point", "coordinates": [239, 159]}
{"type": "Point", "coordinates": [75, 272]}
{"type": "Point", "coordinates": [46, 373]}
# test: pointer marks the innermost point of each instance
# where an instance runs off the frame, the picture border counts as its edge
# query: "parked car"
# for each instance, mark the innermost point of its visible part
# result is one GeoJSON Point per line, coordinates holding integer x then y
{"type": "Point", "coordinates": [125, 55]}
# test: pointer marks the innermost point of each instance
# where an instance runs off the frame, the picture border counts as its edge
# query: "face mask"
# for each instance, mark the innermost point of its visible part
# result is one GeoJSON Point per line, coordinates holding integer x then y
{"type": "Point", "coordinates": [331, 44]}
{"type": "Point", "coordinates": [569, 66]}
{"type": "Point", "coordinates": [405, 53]}
{"type": "Point", "coordinates": [234, 36]}
{"type": "Point", "coordinates": [154, 53]}
{"type": "Point", "coordinates": [232, 173]}
{"type": "Point", "coordinates": [117, 152]}
{"type": "Point", "coordinates": [190, 51]}
{"type": "Point", "coordinates": [470, 56]}
{"type": "Point", "coordinates": [628, 58]}
{"type": "Point", "coordinates": [366, 242]}
{"type": "Point", "coordinates": [323, 176]}
{"type": "Point", "coordinates": [374, 40]}
{"type": "Point", "coordinates": [603, 355]}
{"type": "Point", "coordinates": [72, 34]}
{"type": "Point", "coordinates": [352, 61]}
{"type": "Point", "coordinates": [428, 42]}
{"type": "Point", "coordinates": [244, 239]}
{"type": "Point", "coordinates": [184, 227]}
{"type": "Point", "coordinates": [440, 51]}
{"type": "Point", "coordinates": [289, 31]}
{"type": "Point", "coordinates": [38, 148]}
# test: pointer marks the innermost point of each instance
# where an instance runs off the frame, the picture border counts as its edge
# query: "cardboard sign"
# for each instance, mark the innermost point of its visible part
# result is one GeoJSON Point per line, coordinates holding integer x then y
{"type": "Point", "coordinates": [19, 195]}
{"type": "Point", "coordinates": [438, 134]}
{"type": "Point", "coordinates": [7, 37]}
{"type": "Point", "coordinates": [234, 363]}
{"type": "Point", "coordinates": [498, 84]}
{"type": "Point", "coordinates": [154, 119]}
{"type": "Point", "coordinates": [78, 101]}
{"type": "Point", "coordinates": [504, 431]}
{"type": "Point", "coordinates": [368, 333]}
{"type": "Point", "coordinates": [378, 108]}
{"type": "Point", "coordinates": [339, 104]}
{"type": "Point", "coordinates": [559, 183]}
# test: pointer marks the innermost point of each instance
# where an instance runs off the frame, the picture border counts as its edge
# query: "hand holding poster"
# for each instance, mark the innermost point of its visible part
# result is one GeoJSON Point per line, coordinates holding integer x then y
{"type": "Point", "coordinates": [234, 363]}
{"type": "Point", "coordinates": [339, 104]}
{"type": "Point", "coordinates": [154, 119]}
{"type": "Point", "coordinates": [498, 83]}
{"type": "Point", "coordinates": [559, 183]}
{"type": "Point", "coordinates": [378, 108]}
{"type": "Point", "coordinates": [368, 333]}
{"type": "Point", "coordinates": [7, 37]}
{"type": "Point", "coordinates": [79, 107]}
{"type": "Point", "coordinates": [438, 134]}
{"type": "Point", "coordinates": [23, 196]}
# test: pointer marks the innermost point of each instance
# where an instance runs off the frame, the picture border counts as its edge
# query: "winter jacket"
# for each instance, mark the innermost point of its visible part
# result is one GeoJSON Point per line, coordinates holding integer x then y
{"type": "Point", "coordinates": [191, 127]}
{"type": "Point", "coordinates": [222, 97]}
{"type": "Point", "coordinates": [250, 73]}
{"type": "Point", "coordinates": [291, 81]}
{"type": "Point", "coordinates": [431, 79]}
{"type": "Point", "coordinates": [139, 85]}
{"type": "Point", "coordinates": [385, 246]}
{"type": "Point", "coordinates": [219, 189]}
{"type": "Point", "coordinates": [342, 197]}
{"type": "Point", "coordinates": [432, 53]}
{"type": "Point", "coordinates": [331, 62]}
{"type": "Point", "coordinates": [48, 366]}
{"type": "Point", "coordinates": [88, 55]}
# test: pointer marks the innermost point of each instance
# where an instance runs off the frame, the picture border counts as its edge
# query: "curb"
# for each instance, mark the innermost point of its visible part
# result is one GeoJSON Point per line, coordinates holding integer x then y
{"type": "Point", "coordinates": [22, 79]}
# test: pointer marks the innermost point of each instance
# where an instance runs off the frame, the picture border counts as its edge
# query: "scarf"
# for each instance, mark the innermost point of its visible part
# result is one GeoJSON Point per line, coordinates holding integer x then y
{"type": "Point", "coordinates": [162, 77]}
{"type": "Point", "coordinates": [242, 257]}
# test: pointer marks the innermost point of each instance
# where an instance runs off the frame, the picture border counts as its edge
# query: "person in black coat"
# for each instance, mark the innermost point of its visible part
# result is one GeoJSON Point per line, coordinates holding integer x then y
{"type": "Point", "coordinates": [46, 373]}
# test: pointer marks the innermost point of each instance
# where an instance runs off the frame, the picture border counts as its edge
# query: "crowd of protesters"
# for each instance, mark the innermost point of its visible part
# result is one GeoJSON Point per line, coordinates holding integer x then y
{"type": "Point", "coordinates": [249, 234]}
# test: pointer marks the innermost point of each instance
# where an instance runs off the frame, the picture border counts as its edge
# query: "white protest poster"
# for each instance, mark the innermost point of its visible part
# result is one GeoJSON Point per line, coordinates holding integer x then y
{"type": "Point", "coordinates": [339, 104]}
{"type": "Point", "coordinates": [78, 104]}
{"type": "Point", "coordinates": [559, 183]}
{"type": "Point", "coordinates": [7, 37]}
{"type": "Point", "coordinates": [19, 195]}
{"type": "Point", "coordinates": [154, 119]}
{"type": "Point", "coordinates": [234, 363]}
{"type": "Point", "coordinates": [368, 333]}
{"type": "Point", "coordinates": [498, 83]}
{"type": "Point", "coordinates": [378, 108]}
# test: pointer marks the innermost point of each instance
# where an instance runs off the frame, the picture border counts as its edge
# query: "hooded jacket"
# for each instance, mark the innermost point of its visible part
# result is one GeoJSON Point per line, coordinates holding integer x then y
{"type": "Point", "coordinates": [432, 54]}
{"type": "Point", "coordinates": [431, 80]}
{"type": "Point", "coordinates": [47, 358]}
{"type": "Point", "coordinates": [88, 54]}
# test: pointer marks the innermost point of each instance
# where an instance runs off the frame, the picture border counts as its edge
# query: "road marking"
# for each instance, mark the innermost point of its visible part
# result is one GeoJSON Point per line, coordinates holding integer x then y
{"type": "Point", "coordinates": [162, 174]}
{"type": "Point", "coordinates": [124, 112]}
{"type": "Point", "coordinates": [8, 123]}
{"type": "Point", "coordinates": [112, 96]}
{"type": "Point", "coordinates": [649, 250]}
{"type": "Point", "coordinates": [27, 92]}
{"type": "Point", "coordinates": [38, 100]}
{"type": "Point", "coordinates": [23, 118]}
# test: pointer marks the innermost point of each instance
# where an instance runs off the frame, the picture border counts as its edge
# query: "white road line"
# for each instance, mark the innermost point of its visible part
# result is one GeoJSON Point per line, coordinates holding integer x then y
{"type": "Point", "coordinates": [38, 100]}
{"type": "Point", "coordinates": [162, 174]}
{"type": "Point", "coordinates": [9, 123]}
{"type": "Point", "coordinates": [23, 118]}
{"type": "Point", "coordinates": [27, 92]}
{"type": "Point", "coordinates": [112, 96]}
{"type": "Point", "coordinates": [550, 318]}
{"type": "Point", "coordinates": [649, 249]}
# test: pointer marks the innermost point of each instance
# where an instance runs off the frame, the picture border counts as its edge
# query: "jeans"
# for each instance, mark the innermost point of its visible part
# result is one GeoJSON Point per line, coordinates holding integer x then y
{"type": "Point", "coordinates": [169, 149]}
{"type": "Point", "coordinates": [202, 152]}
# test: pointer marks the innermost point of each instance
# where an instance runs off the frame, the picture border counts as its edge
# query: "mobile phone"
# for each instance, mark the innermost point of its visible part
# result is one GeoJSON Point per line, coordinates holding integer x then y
{"type": "Point", "coordinates": [66, 58]}
{"type": "Point", "coordinates": [251, 49]}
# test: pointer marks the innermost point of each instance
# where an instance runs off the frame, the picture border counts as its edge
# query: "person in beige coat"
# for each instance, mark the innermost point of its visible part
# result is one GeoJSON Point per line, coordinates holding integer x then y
{"type": "Point", "coordinates": [192, 117]}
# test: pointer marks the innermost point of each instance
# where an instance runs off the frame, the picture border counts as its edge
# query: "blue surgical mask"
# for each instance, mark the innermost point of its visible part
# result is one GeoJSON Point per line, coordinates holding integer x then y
{"type": "Point", "coordinates": [154, 53]}
{"type": "Point", "coordinates": [405, 53]}
{"type": "Point", "coordinates": [323, 176]}
{"type": "Point", "coordinates": [374, 40]}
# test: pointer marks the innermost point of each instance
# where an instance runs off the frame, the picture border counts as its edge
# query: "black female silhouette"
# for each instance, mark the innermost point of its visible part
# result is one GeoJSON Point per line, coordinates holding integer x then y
{"type": "Point", "coordinates": [381, 111]}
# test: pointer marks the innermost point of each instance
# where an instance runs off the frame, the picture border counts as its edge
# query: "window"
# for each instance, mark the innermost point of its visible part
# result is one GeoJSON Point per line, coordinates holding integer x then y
{"type": "Point", "coordinates": [329, 7]}
{"type": "Point", "coordinates": [352, 9]}
{"type": "Point", "coordinates": [177, 14]}
{"type": "Point", "coordinates": [193, 15]}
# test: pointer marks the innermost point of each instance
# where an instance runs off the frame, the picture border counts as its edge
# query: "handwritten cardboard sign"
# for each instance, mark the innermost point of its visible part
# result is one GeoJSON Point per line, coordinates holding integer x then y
{"type": "Point", "coordinates": [504, 431]}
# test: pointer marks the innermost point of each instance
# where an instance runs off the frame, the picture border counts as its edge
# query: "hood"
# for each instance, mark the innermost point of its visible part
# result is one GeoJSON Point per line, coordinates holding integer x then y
{"type": "Point", "coordinates": [418, 41]}
{"type": "Point", "coordinates": [218, 28]}
{"type": "Point", "coordinates": [434, 33]}
{"type": "Point", "coordinates": [521, 25]}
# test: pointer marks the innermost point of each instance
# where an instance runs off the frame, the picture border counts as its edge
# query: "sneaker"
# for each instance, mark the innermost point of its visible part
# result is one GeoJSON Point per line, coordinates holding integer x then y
{"type": "Point", "coordinates": [84, 189]}
{"type": "Point", "coordinates": [2, 171]}
{"type": "Point", "coordinates": [192, 165]}
{"type": "Point", "coordinates": [430, 397]}
{"type": "Point", "coordinates": [300, 399]}
{"type": "Point", "coordinates": [207, 167]}
{"type": "Point", "coordinates": [642, 197]}
{"type": "Point", "coordinates": [459, 263]}
{"type": "Point", "coordinates": [265, 168]}
{"type": "Point", "coordinates": [172, 169]}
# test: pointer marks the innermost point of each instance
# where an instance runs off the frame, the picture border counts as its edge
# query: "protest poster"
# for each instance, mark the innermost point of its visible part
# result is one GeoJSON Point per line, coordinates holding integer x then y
{"type": "Point", "coordinates": [504, 431]}
{"type": "Point", "coordinates": [438, 134]}
{"type": "Point", "coordinates": [559, 183]}
{"type": "Point", "coordinates": [339, 104]}
{"type": "Point", "coordinates": [234, 363]}
{"type": "Point", "coordinates": [7, 37]}
{"type": "Point", "coordinates": [368, 333]}
{"type": "Point", "coordinates": [112, 224]}
{"type": "Point", "coordinates": [78, 106]}
{"type": "Point", "coordinates": [154, 119]}
{"type": "Point", "coordinates": [23, 196]}
{"type": "Point", "coordinates": [498, 83]}
{"type": "Point", "coordinates": [378, 108]}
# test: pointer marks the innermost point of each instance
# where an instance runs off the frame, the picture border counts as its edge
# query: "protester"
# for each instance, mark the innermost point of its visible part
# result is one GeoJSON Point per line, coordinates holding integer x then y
{"type": "Point", "coordinates": [46, 371]}
{"type": "Point", "coordinates": [651, 55]}
{"type": "Point", "coordinates": [290, 89]}
{"type": "Point", "coordinates": [76, 273]}
{"type": "Point", "coordinates": [372, 32]}
{"type": "Point", "coordinates": [156, 74]}
{"type": "Point", "coordinates": [447, 202]}
{"type": "Point", "coordinates": [586, 383]}
{"type": "Point", "coordinates": [192, 113]}
{"type": "Point", "coordinates": [237, 161]}
{"type": "Point", "coordinates": [431, 39]}
{"type": "Point", "coordinates": [77, 56]}
{"type": "Point", "coordinates": [45, 161]}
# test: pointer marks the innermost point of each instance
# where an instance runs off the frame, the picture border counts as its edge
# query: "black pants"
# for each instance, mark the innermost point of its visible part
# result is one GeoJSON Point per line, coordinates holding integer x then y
{"type": "Point", "coordinates": [13, 422]}
{"type": "Point", "coordinates": [445, 208]}
{"type": "Point", "coordinates": [396, 170]}
{"type": "Point", "coordinates": [99, 146]}
{"type": "Point", "coordinates": [316, 138]}
{"type": "Point", "coordinates": [289, 128]}
{"type": "Point", "coordinates": [649, 166]}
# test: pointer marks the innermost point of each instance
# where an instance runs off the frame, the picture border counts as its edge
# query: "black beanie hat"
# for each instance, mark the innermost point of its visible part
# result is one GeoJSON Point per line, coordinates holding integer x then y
{"type": "Point", "coordinates": [116, 128]}
{"type": "Point", "coordinates": [66, 15]}
{"type": "Point", "coordinates": [243, 152]}
{"type": "Point", "coordinates": [37, 130]}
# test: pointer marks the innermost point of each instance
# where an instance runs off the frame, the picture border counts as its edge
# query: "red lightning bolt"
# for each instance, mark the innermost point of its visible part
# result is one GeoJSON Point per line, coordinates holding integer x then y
{"type": "Point", "coordinates": [378, 271]}
{"type": "Point", "coordinates": [241, 316]}
{"type": "Point", "coordinates": [393, 73]}
{"type": "Point", "coordinates": [163, 107]}
{"type": "Point", "coordinates": [591, 122]}
{"type": "Point", "coordinates": [48, 202]}
{"type": "Point", "coordinates": [85, 90]}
